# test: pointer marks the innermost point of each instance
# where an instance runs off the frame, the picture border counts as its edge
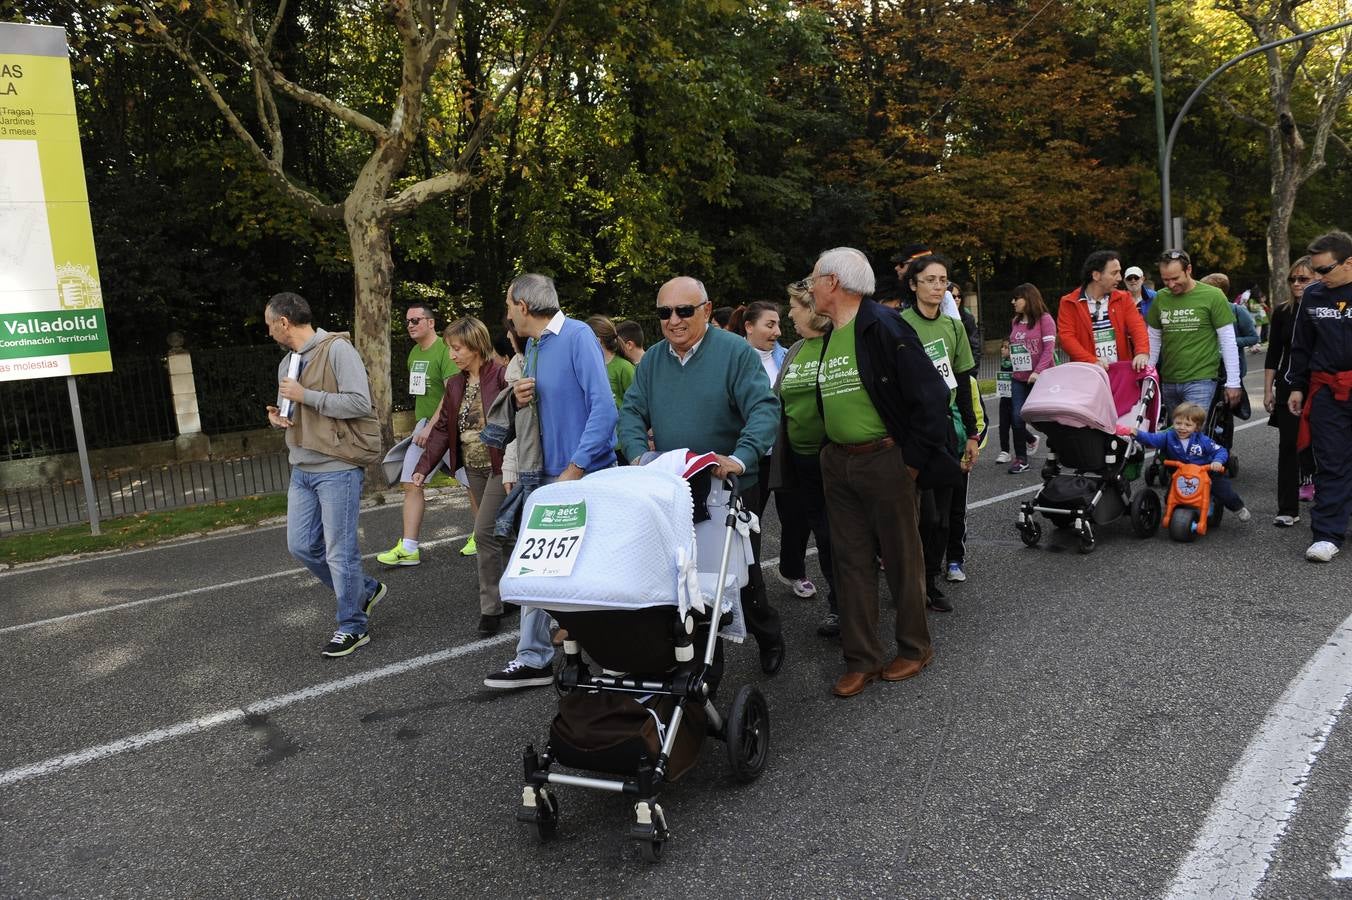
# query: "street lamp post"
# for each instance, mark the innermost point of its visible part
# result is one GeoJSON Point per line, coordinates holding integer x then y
{"type": "Point", "coordinates": [1178, 120]}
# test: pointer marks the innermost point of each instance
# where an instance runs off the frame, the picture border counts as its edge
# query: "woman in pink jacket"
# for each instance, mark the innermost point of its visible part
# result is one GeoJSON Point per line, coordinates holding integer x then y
{"type": "Point", "coordinates": [1032, 345]}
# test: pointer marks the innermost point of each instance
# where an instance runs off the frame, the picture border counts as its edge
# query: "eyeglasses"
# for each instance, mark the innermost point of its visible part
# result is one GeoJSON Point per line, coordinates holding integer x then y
{"type": "Point", "coordinates": [1324, 270]}
{"type": "Point", "coordinates": [415, 320]}
{"type": "Point", "coordinates": [685, 311]}
{"type": "Point", "coordinates": [933, 279]}
{"type": "Point", "coordinates": [1299, 279]}
{"type": "Point", "coordinates": [1173, 255]}
{"type": "Point", "coordinates": [806, 283]}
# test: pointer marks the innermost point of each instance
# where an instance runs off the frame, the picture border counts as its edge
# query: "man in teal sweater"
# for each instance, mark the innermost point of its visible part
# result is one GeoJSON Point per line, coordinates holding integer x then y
{"type": "Point", "coordinates": [705, 389]}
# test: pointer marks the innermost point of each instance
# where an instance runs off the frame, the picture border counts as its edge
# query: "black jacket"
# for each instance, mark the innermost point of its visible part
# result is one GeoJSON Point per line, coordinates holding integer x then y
{"type": "Point", "coordinates": [908, 393]}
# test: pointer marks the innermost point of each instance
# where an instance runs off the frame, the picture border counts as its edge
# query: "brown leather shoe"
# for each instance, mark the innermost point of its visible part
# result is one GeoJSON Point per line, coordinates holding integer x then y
{"type": "Point", "coordinates": [902, 668]}
{"type": "Point", "coordinates": [852, 683]}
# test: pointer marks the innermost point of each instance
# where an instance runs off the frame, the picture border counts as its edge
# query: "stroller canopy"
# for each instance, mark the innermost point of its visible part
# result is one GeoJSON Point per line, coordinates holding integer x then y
{"type": "Point", "coordinates": [638, 549]}
{"type": "Point", "coordinates": [1077, 395]}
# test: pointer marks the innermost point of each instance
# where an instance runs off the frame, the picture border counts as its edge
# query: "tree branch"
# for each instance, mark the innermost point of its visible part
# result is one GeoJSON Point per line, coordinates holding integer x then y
{"type": "Point", "coordinates": [308, 201]}
{"type": "Point", "coordinates": [412, 197]}
{"type": "Point", "coordinates": [247, 38]}
{"type": "Point", "coordinates": [485, 123]}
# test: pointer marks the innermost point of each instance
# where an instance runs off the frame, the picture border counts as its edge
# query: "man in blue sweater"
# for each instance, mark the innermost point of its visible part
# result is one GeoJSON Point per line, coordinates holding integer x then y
{"type": "Point", "coordinates": [705, 389]}
{"type": "Point", "coordinates": [566, 379]}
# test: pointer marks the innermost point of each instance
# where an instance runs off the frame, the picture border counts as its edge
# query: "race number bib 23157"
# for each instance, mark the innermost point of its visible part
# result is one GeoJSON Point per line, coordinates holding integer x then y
{"type": "Point", "coordinates": [549, 543]}
{"type": "Point", "coordinates": [938, 354]}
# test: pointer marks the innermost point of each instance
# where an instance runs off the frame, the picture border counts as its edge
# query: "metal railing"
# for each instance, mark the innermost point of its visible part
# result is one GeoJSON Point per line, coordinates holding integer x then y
{"type": "Point", "coordinates": [130, 405]}
{"type": "Point", "coordinates": [124, 492]}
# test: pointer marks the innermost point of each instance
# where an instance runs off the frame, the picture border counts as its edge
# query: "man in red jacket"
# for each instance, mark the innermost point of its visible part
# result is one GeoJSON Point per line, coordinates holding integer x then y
{"type": "Point", "coordinates": [1097, 323]}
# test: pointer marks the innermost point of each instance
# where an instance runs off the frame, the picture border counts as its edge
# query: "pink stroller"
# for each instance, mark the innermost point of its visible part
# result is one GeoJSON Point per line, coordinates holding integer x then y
{"type": "Point", "coordinates": [1090, 418]}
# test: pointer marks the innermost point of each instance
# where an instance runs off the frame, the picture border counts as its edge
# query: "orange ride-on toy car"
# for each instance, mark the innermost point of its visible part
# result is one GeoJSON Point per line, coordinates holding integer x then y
{"type": "Point", "coordinates": [1190, 509]}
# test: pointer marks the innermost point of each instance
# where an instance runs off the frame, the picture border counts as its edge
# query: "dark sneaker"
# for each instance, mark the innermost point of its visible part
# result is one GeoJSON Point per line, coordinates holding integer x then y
{"type": "Point", "coordinates": [515, 675]}
{"type": "Point", "coordinates": [342, 644]}
{"type": "Point", "coordinates": [375, 598]}
{"type": "Point", "coordinates": [830, 626]}
{"type": "Point", "coordinates": [939, 603]}
{"type": "Point", "coordinates": [1019, 465]}
{"type": "Point", "coordinates": [489, 625]}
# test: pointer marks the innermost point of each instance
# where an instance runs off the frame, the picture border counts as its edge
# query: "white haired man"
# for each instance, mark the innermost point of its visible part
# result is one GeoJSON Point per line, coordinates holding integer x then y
{"type": "Point", "coordinates": [886, 412]}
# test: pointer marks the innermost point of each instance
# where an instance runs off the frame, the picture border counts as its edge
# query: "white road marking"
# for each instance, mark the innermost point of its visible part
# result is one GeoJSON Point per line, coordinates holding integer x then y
{"type": "Point", "coordinates": [236, 714]}
{"type": "Point", "coordinates": [1342, 866]}
{"type": "Point", "coordinates": [131, 604]}
{"type": "Point", "coordinates": [235, 531]}
{"type": "Point", "coordinates": [1231, 853]}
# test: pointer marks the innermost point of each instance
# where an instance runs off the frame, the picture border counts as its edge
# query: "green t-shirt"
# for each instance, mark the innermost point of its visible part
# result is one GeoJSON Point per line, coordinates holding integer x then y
{"type": "Point", "coordinates": [850, 416]}
{"type": "Point", "coordinates": [427, 373]}
{"type": "Point", "coordinates": [620, 371]}
{"type": "Point", "coordinates": [945, 343]}
{"type": "Point", "coordinates": [798, 388]}
{"type": "Point", "coordinates": [1189, 349]}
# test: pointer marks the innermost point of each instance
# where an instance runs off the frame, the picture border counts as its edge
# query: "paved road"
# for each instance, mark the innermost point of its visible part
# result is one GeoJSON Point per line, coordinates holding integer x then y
{"type": "Point", "coordinates": [1082, 718]}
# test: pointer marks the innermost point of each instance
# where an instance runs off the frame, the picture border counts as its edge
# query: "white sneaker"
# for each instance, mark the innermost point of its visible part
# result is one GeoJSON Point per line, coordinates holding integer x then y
{"type": "Point", "coordinates": [1321, 551]}
{"type": "Point", "coordinates": [1244, 514]}
{"type": "Point", "coordinates": [1033, 443]}
{"type": "Point", "coordinates": [1285, 521]}
{"type": "Point", "coordinates": [1002, 457]}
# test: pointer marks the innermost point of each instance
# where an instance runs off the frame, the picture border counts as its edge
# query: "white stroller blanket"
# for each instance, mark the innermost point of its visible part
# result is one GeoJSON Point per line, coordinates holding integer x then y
{"type": "Point", "coordinates": [639, 549]}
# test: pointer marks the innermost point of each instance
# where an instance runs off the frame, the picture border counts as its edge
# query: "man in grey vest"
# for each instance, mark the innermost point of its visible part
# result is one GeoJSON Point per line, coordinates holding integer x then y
{"type": "Point", "coordinates": [324, 403]}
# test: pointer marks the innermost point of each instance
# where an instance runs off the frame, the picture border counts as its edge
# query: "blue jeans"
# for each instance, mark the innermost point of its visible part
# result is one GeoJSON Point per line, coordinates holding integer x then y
{"type": "Point", "coordinates": [1199, 392]}
{"type": "Point", "coordinates": [533, 647]}
{"type": "Point", "coordinates": [321, 532]}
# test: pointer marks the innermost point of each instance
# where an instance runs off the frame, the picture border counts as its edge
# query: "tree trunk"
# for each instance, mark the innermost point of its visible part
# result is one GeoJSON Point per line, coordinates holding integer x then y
{"type": "Point", "coordinates": [368, 232]}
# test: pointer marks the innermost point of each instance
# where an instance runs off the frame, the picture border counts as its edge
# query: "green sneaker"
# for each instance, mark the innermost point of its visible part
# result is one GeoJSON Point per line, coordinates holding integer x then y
{"type": "Point", "coordinates": [398, 556]}
{"type": "Point", "coordinates": [469, 549]}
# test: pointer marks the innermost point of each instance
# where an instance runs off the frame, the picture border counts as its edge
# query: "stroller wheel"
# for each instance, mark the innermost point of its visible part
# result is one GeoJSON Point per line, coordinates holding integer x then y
{"type": "Point", "coordinates": [1146, 513]}
{"type": "Point", "coordinates": [748, 734]}
{"type": "Point", "coordinates": [1030, 533]}
{"type": "Point", "coordinates": [1087, 538]}
{"type": "Point", "coordinates": [1232, 466]}
{"type": "Point", "coordinates": [651, 851]}
{"type": "Point", "coordinates": [544, 817]}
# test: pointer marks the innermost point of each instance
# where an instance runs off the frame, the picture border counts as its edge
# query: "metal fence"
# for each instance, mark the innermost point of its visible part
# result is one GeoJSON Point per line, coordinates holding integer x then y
{"type": "Point", "coordinates": [128, 491]}
{"type": "Point", "coordinates": [130, 405]}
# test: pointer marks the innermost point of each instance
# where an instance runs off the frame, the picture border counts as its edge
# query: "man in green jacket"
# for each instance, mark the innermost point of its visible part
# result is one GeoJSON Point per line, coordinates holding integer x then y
{"type": "Point", "coordinates": [705, 389]}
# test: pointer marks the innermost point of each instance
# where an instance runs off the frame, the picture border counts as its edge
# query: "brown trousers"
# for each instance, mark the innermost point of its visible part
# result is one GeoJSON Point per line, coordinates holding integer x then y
{"type": "Point", "coordinates": [872, 507]}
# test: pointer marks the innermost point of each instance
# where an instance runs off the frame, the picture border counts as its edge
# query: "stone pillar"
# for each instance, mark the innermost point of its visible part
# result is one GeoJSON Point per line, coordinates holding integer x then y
{"type": "Point", "coordinates": [191, 442]}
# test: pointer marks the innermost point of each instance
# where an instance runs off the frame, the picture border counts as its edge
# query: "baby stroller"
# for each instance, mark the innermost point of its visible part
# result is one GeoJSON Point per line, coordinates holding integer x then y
{"type": "Point", "coordinates": [1090, 418]}
{"type": "Point", "coordinates": [642, 599]}
{"type": "Point", "coordinates": [1219, 426]}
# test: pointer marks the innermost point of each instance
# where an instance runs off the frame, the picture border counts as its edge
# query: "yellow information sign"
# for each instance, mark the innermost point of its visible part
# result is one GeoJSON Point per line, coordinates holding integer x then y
{"type": "Point", "coordinates": [51, 307]}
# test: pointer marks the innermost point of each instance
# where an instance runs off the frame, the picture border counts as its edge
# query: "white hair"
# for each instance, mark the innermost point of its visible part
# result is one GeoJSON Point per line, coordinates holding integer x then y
{"type": "Point", "coordinates": [536, 292]}
{"type": "Point", "coordinates": [851, 267]}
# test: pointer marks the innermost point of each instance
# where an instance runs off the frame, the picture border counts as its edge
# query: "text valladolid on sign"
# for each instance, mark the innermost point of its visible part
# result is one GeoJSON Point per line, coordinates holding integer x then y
{"type": "Point", "coordinates": [51, 307]}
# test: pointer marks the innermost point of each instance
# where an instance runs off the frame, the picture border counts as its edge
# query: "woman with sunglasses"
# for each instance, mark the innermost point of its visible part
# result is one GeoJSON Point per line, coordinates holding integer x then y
{"type": "Point", "coordinates": [1293, 467]}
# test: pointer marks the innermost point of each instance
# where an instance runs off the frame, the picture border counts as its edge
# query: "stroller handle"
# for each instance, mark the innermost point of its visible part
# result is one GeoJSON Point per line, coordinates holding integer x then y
{"type": "Point", "coordinates": [733, 485]}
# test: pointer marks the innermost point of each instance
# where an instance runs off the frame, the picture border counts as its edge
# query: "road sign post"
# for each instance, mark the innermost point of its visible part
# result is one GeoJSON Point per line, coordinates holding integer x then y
{"type": "Point", "coordinates": [51, 304]}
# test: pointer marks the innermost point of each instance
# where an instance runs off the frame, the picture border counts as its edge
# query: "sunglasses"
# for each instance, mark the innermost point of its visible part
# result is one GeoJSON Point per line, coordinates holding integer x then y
{"type": "Point", "coordinates": [685, 311]}
{"type": "Point", "coordinates": [415, 320]}
{"type": "Point", "coordinates": [1324, 270]}
{"type": "Point", "coordinates": [1133, 278]}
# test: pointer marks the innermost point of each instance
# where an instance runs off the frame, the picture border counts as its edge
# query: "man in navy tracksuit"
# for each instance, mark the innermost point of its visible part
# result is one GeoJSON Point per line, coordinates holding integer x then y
{"type": "Point", "coordinates": [1320, 375]}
